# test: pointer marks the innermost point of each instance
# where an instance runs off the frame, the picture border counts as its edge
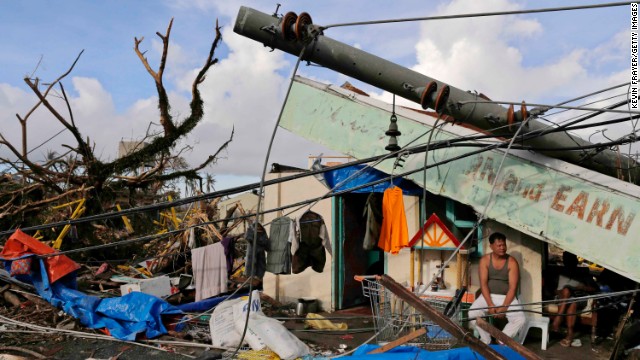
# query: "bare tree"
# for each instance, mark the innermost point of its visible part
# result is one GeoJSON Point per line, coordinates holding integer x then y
{"type": "Point", "coordinates": [31, 187]}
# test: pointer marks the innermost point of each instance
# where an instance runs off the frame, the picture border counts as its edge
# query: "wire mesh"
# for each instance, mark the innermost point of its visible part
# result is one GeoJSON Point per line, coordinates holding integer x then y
{"type": "Point", "coordinates": [394, 318]}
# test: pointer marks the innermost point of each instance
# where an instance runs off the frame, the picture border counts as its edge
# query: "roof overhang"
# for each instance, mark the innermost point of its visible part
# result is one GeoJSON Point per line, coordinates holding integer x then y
{"type": "Point", "coordinates": [582, 211]}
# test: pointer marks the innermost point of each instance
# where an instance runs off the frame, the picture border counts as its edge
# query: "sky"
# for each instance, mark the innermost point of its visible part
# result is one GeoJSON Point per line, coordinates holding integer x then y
{"type": "Point", "coordinates": [540, 58]}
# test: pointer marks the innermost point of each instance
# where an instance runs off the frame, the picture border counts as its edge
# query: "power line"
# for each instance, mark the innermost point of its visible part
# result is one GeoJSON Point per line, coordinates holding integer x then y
{"type": "Point", "coordinates": [300, 203]}
{"type": "Point", "coordinates": [483, 14]}
{"type": "Point", "coordinates": [584, 108]}
{"type": "Point", "coordinates": [243, 188]}
{"type": "Point", "coordinates": [46, 141]}
{"type": "Point", "coordinates": [258, 206]}
{"type": "Point", "coordinates": [248, 187]}
{"type": "Point", "coordinates": [590, 103]}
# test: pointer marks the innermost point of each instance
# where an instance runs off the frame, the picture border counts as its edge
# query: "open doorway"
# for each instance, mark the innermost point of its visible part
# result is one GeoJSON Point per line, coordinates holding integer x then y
{"type": "Point", "coordinates": [350, 258]}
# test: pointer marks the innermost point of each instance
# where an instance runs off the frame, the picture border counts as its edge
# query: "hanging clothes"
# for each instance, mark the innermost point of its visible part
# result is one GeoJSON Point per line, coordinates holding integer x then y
{"type": "Point", "coordinates": [373, 215]}
{"type": "Point", "coordinates": [229, 244]}
{"type": "Point", "coordinates": [281, 235]}
{"type": "Point", "coordinates": [309, 247]}
{"type": "Point", "coordinates": [262, 243]}
{"type": "Point", "coordinates": [209, 270]}
{"type": "Point", "coordinates": [394, 234]}
{"type": "Point", "coordinates": [191, 242]}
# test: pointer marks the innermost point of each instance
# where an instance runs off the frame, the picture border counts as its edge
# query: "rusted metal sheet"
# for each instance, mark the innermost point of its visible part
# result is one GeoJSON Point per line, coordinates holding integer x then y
{"type": "Point", "coordinates": [593, 215]}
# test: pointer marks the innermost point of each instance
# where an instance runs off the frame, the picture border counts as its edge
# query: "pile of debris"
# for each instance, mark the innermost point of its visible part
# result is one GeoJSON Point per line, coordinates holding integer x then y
{"type": "Point", "coordinates": [190, 288]}
{"type": "Point", "coordinates": [147, 295]}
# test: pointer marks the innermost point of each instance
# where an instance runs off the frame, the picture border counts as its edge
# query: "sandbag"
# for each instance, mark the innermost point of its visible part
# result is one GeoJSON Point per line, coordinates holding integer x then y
{"type": "Point", "coordinates": [222, 324]}
{"type": "Point", "coordinates": [277, 337]}
{"type": "Point", "coordinates": [240, 318]}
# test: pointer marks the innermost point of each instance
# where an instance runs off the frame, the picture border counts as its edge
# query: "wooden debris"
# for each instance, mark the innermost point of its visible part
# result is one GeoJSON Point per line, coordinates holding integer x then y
{"type": "Point", "coordinates": [11, 298]}
{"type": "Point", "coordinates": [266, 298]}
{"type": "Point", "coordinates": [400, 341]}
{"type": "Point", "coordinates": [26, 351]}
{"type": "Point", "coordinates": [516, 346]}
{"type": "Point", "coordinates": [36, 300]}
{"type": "Point", "coordinates": [440, 319]}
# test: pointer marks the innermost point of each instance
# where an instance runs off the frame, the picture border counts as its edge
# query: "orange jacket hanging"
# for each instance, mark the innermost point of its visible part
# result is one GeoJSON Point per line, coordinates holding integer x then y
{"type": "Point", "coordinates": [393, 233]}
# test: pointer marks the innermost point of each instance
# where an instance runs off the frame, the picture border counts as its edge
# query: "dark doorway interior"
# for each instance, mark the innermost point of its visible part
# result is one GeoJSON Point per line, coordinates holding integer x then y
{"type": "Point", "coordinates": [353, 258]}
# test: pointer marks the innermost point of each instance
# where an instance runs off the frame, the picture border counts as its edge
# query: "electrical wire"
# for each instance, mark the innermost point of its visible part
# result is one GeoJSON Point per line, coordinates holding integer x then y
{"type": "Point", "coordinates": [189, 200]}
{"type": "Point", "coordinates": [486, 208]}
{"type": "Point", "coordinates": [589, 103]}
{"type": "Point", "coordinates": [46, 141]}
{"type": "Point", "coordinates": [243, 188]}
{"type": "Point", "coordinates": [258, 213]}
{"type": "Point", "coordinates": [572, 299]}
{"type": "Point", "coordinates": [483, 14]}
{"type": "Point", "coordinates": [481, 218]}
{"type": "Point", "coordinates": [258, 206]}
{"type": "Point", "coordinates": [376, 162]}
{"type": "Point", "coordinates": [47, 330]}
{"type": "Point", "coordinates": [365, 342]}
{"type": "Point", "coordinates": [584, 108]}
{"type": "Point", "coordinates": [326, 196]}
{"type": "Point", "coordinates": [197, 315]}
{"type": "Point", "coordinates": [423, 219]}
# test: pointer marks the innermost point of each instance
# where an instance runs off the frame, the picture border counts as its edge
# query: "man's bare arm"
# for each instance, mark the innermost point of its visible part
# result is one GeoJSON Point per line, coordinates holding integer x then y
{"type": "Point", "coordinates": [514, 278]}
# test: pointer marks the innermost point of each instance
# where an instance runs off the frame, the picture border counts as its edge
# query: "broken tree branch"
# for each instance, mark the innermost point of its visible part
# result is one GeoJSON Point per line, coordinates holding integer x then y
{"type": "Point", "coordinates": [46, 201]}
{"type": "Point", "coordinates": [163, 99]}
{"type": "Point", "coordinates": [26, 351]}
{"type": "Point", "coordinates": [24, 118]}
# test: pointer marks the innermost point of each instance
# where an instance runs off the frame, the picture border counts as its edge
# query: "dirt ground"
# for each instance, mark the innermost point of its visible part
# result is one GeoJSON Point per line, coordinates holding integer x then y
{"type": "Point", "coordinates": [325, 343]}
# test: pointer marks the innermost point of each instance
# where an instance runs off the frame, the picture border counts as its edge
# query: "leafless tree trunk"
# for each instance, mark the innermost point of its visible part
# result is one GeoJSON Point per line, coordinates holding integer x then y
{"type": "Point", "coordinates": [79, 173]}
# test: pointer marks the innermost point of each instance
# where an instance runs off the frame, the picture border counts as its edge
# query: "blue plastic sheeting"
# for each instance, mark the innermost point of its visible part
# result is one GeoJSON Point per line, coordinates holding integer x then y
{"type": "Point", "coordinates": [124, 317]}
{"type": "Point", "coordinates": [334, 177]}
{"type": "Point", "coordinates": [208, 304]}
{"type": "Point", "coordinates": [411, 353]}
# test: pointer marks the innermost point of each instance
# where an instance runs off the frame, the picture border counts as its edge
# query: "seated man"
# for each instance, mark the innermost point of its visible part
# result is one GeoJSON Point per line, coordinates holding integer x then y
{"type": "Point", "coordinates": [499, 276]}
{"type": "Point", "coordinates": [571, 283]}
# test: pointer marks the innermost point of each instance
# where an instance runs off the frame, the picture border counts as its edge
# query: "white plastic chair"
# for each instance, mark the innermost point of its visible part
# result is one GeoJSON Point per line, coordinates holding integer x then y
{"type": "Point", "coordinates": [541, 323]}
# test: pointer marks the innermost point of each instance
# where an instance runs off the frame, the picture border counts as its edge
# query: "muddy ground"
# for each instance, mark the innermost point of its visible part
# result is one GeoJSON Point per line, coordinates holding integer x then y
{"type": "Point", "coordinates": [325, 343]}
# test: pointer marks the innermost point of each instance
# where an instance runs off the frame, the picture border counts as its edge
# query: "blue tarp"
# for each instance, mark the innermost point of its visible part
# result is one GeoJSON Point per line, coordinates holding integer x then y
{"type": "Point", "coordinates": [334, 177]}
{"type": "Point", "coordinates": [208, 304]}
{"type": "Point", "coordinates": [411, 353]}
{"type": "Point", "coordinates": [124, 316]}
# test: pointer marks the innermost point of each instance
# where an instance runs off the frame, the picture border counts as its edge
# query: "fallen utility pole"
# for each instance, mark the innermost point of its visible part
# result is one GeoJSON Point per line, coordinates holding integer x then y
{"type": "Point", "coordinates": [291, 33]}
{"type": "Point", "coordinates": [440, 319]}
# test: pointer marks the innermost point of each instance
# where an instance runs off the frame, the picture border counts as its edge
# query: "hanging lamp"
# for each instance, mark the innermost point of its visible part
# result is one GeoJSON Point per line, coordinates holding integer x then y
{"type": "Point", "coordinates": [393, 131]}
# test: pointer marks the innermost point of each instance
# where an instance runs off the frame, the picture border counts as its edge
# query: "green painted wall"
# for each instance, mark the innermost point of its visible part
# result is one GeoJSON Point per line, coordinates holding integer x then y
{"type": "Point", "coordinates": [590, 214]}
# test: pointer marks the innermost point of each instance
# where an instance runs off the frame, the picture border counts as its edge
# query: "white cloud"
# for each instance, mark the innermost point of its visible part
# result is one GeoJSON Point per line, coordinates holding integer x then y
{"type": "Point", "coordinates": [246, 88]}
{"type": "Point", "coordinates": [244, 91]}
{"type": "Point", "coordinates": [493, 55]}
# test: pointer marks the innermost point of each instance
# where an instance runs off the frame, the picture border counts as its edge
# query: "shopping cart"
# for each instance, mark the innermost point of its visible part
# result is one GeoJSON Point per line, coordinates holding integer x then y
{"type": "Point", "coordinates": [394, 318]}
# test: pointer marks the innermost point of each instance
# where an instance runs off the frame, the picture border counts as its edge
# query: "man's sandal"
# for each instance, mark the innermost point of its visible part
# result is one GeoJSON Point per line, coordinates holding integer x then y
{"type": "Point", "coordinates": [576, 343]}
{"type": "Point", "coordinates": [566, 342]}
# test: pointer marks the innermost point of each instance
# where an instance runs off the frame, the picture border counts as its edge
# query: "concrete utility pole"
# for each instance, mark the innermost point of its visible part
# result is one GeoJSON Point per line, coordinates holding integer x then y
{"type": "Point", "coordinates": [291, 33]}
